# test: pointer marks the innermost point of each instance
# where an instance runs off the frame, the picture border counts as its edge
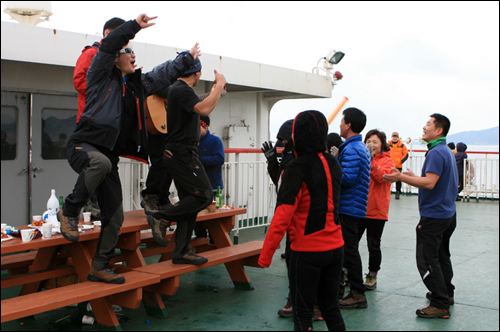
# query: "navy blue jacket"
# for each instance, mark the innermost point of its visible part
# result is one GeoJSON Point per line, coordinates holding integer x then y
{"type": "Point", "coordinates": [212, 157]}
{"type": "Point", "coordinates": [354, 159]}
{"type": "Point", "coordinates": [101, 120]}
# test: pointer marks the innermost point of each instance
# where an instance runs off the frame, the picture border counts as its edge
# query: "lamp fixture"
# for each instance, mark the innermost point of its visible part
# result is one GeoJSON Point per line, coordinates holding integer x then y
{"type": "Point", "coordinates": [332, 58]}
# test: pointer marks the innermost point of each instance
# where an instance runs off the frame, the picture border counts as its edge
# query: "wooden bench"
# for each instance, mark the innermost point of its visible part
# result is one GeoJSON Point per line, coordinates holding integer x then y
{"type": "Point", "coordinates": [244, 254]}
{"type": "Point", "coordinates": [128, 294]}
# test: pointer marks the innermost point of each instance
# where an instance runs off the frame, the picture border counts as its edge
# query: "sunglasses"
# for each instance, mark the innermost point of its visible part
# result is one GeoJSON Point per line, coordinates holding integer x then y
{"type": "Point", "coordinates": [127, 50]}
{"type": "Point", "coordinates": [203, 124]}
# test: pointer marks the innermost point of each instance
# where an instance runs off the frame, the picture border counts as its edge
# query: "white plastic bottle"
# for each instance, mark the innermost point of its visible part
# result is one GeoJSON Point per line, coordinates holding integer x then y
{"type": "Point", "coordinates": [53, 202]}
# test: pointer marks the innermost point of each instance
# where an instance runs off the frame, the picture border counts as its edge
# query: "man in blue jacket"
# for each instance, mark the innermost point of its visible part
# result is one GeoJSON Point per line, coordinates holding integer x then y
{"type": "Point", "coordinates": [112, 125]}
{"type": "Point", "coordinates": [354, 159]}
{"type": "Point", "coordinates": [212, 157]}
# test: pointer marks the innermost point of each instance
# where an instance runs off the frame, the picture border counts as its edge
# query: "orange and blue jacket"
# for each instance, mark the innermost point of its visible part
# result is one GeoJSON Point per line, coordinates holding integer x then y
{"type": "Point", "coordinates": [399, 153]}
{"type": "Point", "coordinates": [308, 194]}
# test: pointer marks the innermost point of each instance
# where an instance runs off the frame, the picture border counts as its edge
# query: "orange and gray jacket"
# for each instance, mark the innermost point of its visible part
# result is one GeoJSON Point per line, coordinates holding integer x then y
{"type": "Point", "coordinates": [399, 153]}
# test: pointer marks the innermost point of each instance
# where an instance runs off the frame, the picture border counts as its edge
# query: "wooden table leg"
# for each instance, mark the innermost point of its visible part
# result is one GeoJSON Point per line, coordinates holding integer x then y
{"type": "Point", "coordinates": [152, 301]}
{"type": "Point", "coordinates": [102, 308]}
{"type": "Point", "coordinates": [42, 261]}
{"type": "Point", "coordinates": [219, 233]}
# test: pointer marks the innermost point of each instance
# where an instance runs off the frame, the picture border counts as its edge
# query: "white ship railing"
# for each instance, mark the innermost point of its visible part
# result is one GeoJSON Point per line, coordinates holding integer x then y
{"type": "Point", "coordinates": [247, 184]}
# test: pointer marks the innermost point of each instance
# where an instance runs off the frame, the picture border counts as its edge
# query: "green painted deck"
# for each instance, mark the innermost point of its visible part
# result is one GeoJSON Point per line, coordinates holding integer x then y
{"type": "Point", "coordinates": [207, 300]}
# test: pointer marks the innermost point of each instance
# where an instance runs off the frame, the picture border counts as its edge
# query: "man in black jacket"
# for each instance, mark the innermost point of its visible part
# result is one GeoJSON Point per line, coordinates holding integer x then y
{"type": "Point", "coordinates": [112, 125]}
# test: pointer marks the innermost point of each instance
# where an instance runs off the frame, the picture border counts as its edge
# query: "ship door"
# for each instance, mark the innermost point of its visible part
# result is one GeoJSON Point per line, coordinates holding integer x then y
{"type": "Point", "coordinates": [29, 173]}
{"type": "Point", "coordinates": [15, 158]}
{"type": "Point", "coordinates": [54, 120]}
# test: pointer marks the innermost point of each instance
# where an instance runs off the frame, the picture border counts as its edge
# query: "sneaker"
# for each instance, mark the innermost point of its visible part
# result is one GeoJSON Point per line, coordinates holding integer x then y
{"type": "Point", "coordinates": [190, 257]}
{"type": "Point", "coordinates": [159, 228]}
{"type": "Point", "coordinates": [317, 314]}
{"type": "Point", "coordinates": [287, 310]}
{"type": "Point", "coordinates": [429, 297]}
{"type": "Point", "coordinates": [397, 194]}
{"type": "Point", "coordinates": [371, 281]}
{"type": "Point", "coordinates": [69, 227]}
{"type": "Point", "coordinates": [105, 275]}
{"type": "Point", "coordinates": [353, 300]}
{"type": "Point", "coordinates": [433, 312]}
{"type": "Point", "coordinates": [150, 203]}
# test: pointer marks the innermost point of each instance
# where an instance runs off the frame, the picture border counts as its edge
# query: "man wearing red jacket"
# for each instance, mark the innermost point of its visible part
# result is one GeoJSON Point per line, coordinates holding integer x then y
{"type": "Point", "coordinates": [84, 61]}
{"type": "Point", "coordinates": [307, 207]}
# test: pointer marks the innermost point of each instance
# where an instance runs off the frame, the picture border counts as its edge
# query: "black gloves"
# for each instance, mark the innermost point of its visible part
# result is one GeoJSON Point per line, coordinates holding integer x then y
{"type": "Point", "coordinates": [269, 150]}
{"type": "Point", "coordinates": [288, 148]}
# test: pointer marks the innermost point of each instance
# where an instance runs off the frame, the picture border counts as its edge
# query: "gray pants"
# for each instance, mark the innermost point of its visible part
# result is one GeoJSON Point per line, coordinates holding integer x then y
{"type": "Point", "coordinates": [98, 173]}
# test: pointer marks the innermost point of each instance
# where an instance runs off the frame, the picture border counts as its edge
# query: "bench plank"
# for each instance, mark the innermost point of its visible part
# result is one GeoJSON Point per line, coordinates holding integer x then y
{"type": "Point", "coordinates": [35, 303]}
{"type": "Point", "coordinates": [167, 269]}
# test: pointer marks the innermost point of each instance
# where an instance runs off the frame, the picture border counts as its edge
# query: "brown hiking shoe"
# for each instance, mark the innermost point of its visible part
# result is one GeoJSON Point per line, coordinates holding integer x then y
{"type": "Point", "coordinates": [287, 310]}
{"type": "Point", "coordinates": [190, 257]}
{"type": "Point", "coordinates": [150, 203]}
{"type": "Point", "coordinates": [69, 227]}
{"type": "Point", "coordinates": [105, 275]}
{"type": "Point", "coordinates": [370, 281]}
{"type": "Point", "coordinates": [353, 300]}
{"type": "Point", "coordinates": [429, 297]}
{"type": "Point", "coordinates": [159, 228]}
{"type": "Point", "coordinates": [433, 312]}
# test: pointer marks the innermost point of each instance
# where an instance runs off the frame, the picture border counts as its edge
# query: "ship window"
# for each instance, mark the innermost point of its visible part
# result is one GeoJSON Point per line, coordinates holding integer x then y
{"type": "Point", "coordinates": [57, 127]}
{"type": "Point", "coordinates": [9, 132]}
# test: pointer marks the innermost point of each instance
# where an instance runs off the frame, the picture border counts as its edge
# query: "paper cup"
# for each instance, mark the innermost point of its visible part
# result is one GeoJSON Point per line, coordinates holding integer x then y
{"type": "Point", "coordinates": [86, 216]}
{"type": "Point", "coordinates": [88, 320]}
{"type": "Point", "coordinates": [47, 230]}
{"type": "Point", "coordinates": [37, 218]}
{"type": "Point", "coordinates": [4, 226]}
{"type": "Point", "coordinates": [27, 235]}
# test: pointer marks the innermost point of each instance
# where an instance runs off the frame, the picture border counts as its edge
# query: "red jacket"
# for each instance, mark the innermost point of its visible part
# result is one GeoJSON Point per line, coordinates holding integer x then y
{"type": "Point", "coordinates": [308, 195]}
{"type": "Point", "coordinates": [379, 196]}
{"type": "Point", "coordinates": [80, 75]}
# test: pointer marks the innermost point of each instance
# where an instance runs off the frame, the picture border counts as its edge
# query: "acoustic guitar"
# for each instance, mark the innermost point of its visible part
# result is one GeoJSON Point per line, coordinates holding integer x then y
{"type": "Point", "coordinates": [156, 113]}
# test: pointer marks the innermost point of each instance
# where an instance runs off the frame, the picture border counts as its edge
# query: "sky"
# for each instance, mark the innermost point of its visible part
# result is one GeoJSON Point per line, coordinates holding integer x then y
{"type": "Point", "coordinates": [403, 60]}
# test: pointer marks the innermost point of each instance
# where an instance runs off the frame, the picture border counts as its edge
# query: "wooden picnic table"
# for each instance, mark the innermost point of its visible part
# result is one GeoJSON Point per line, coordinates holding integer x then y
{"type": "Point", "coordinates": [57, 257]}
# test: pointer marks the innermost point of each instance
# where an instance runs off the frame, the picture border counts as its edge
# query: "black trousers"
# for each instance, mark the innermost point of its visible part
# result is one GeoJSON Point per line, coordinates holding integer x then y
{"type": "Point", "coordinates": [433, 258]}
{"type": "Point", "coordinates": [316, 275]}
{"type": "Point", "coordinates": [374, 229]}
{"type": "Point", "coordinates": [159, 180]}
{"type": "Point", "coordinates": [195, 192]}
{"type": "Point", "coordinates": [352, 259]}
{"type": "Point", "coordinates": [398, 183]}
{"type": "Point", "coordinates": [98, 173]}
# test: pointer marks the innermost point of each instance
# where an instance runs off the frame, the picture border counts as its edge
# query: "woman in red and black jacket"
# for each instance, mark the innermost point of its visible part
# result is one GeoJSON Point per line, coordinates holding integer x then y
{"type": "Point", "coordinates": [307, 206]}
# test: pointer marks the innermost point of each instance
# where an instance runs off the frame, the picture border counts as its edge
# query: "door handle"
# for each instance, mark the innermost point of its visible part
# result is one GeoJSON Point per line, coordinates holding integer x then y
{"type": "Point", "coordinates": [25, 170]}
{"type": "Point", "coordinates": [36, 169]}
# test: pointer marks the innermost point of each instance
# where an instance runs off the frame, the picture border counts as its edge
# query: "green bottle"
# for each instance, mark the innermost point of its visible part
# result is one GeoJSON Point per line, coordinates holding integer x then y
{"type": "Point", "coordinates": [218, 198]}
{"type": "Point", "coordinates": [61, 202]}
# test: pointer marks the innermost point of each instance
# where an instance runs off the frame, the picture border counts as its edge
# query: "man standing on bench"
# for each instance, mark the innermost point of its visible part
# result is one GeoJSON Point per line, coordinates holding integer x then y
{"type": "Point", "coordinates": [112, 125]}
{"type": "Point", "coordinates": [182, 160]}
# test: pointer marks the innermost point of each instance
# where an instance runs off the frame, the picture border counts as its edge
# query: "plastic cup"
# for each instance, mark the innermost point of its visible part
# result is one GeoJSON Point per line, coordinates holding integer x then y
{"type": "Point", "coordinates": [4, 227]}
{"type": "Point", "coordinates": [88, 320]}
{"type": "Point", "coordinates": [86, 216]}
{"type": "Point", "coordinates": [27, 235]}
{"type": "Point", "coordinates": [47, 230]}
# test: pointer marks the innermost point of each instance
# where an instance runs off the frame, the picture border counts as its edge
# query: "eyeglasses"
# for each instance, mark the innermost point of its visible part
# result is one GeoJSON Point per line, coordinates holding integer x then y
{"type": "Point", "coordinates": [127, 50]}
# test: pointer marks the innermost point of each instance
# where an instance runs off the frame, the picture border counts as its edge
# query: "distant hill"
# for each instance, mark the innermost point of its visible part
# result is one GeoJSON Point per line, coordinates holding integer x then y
{"type": "Point", "coordinates": [476, 137]}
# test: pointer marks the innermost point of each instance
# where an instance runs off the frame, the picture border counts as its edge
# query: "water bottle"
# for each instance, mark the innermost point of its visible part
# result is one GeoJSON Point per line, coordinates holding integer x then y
{"type": "Point", "coordinates": [53, 202]}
